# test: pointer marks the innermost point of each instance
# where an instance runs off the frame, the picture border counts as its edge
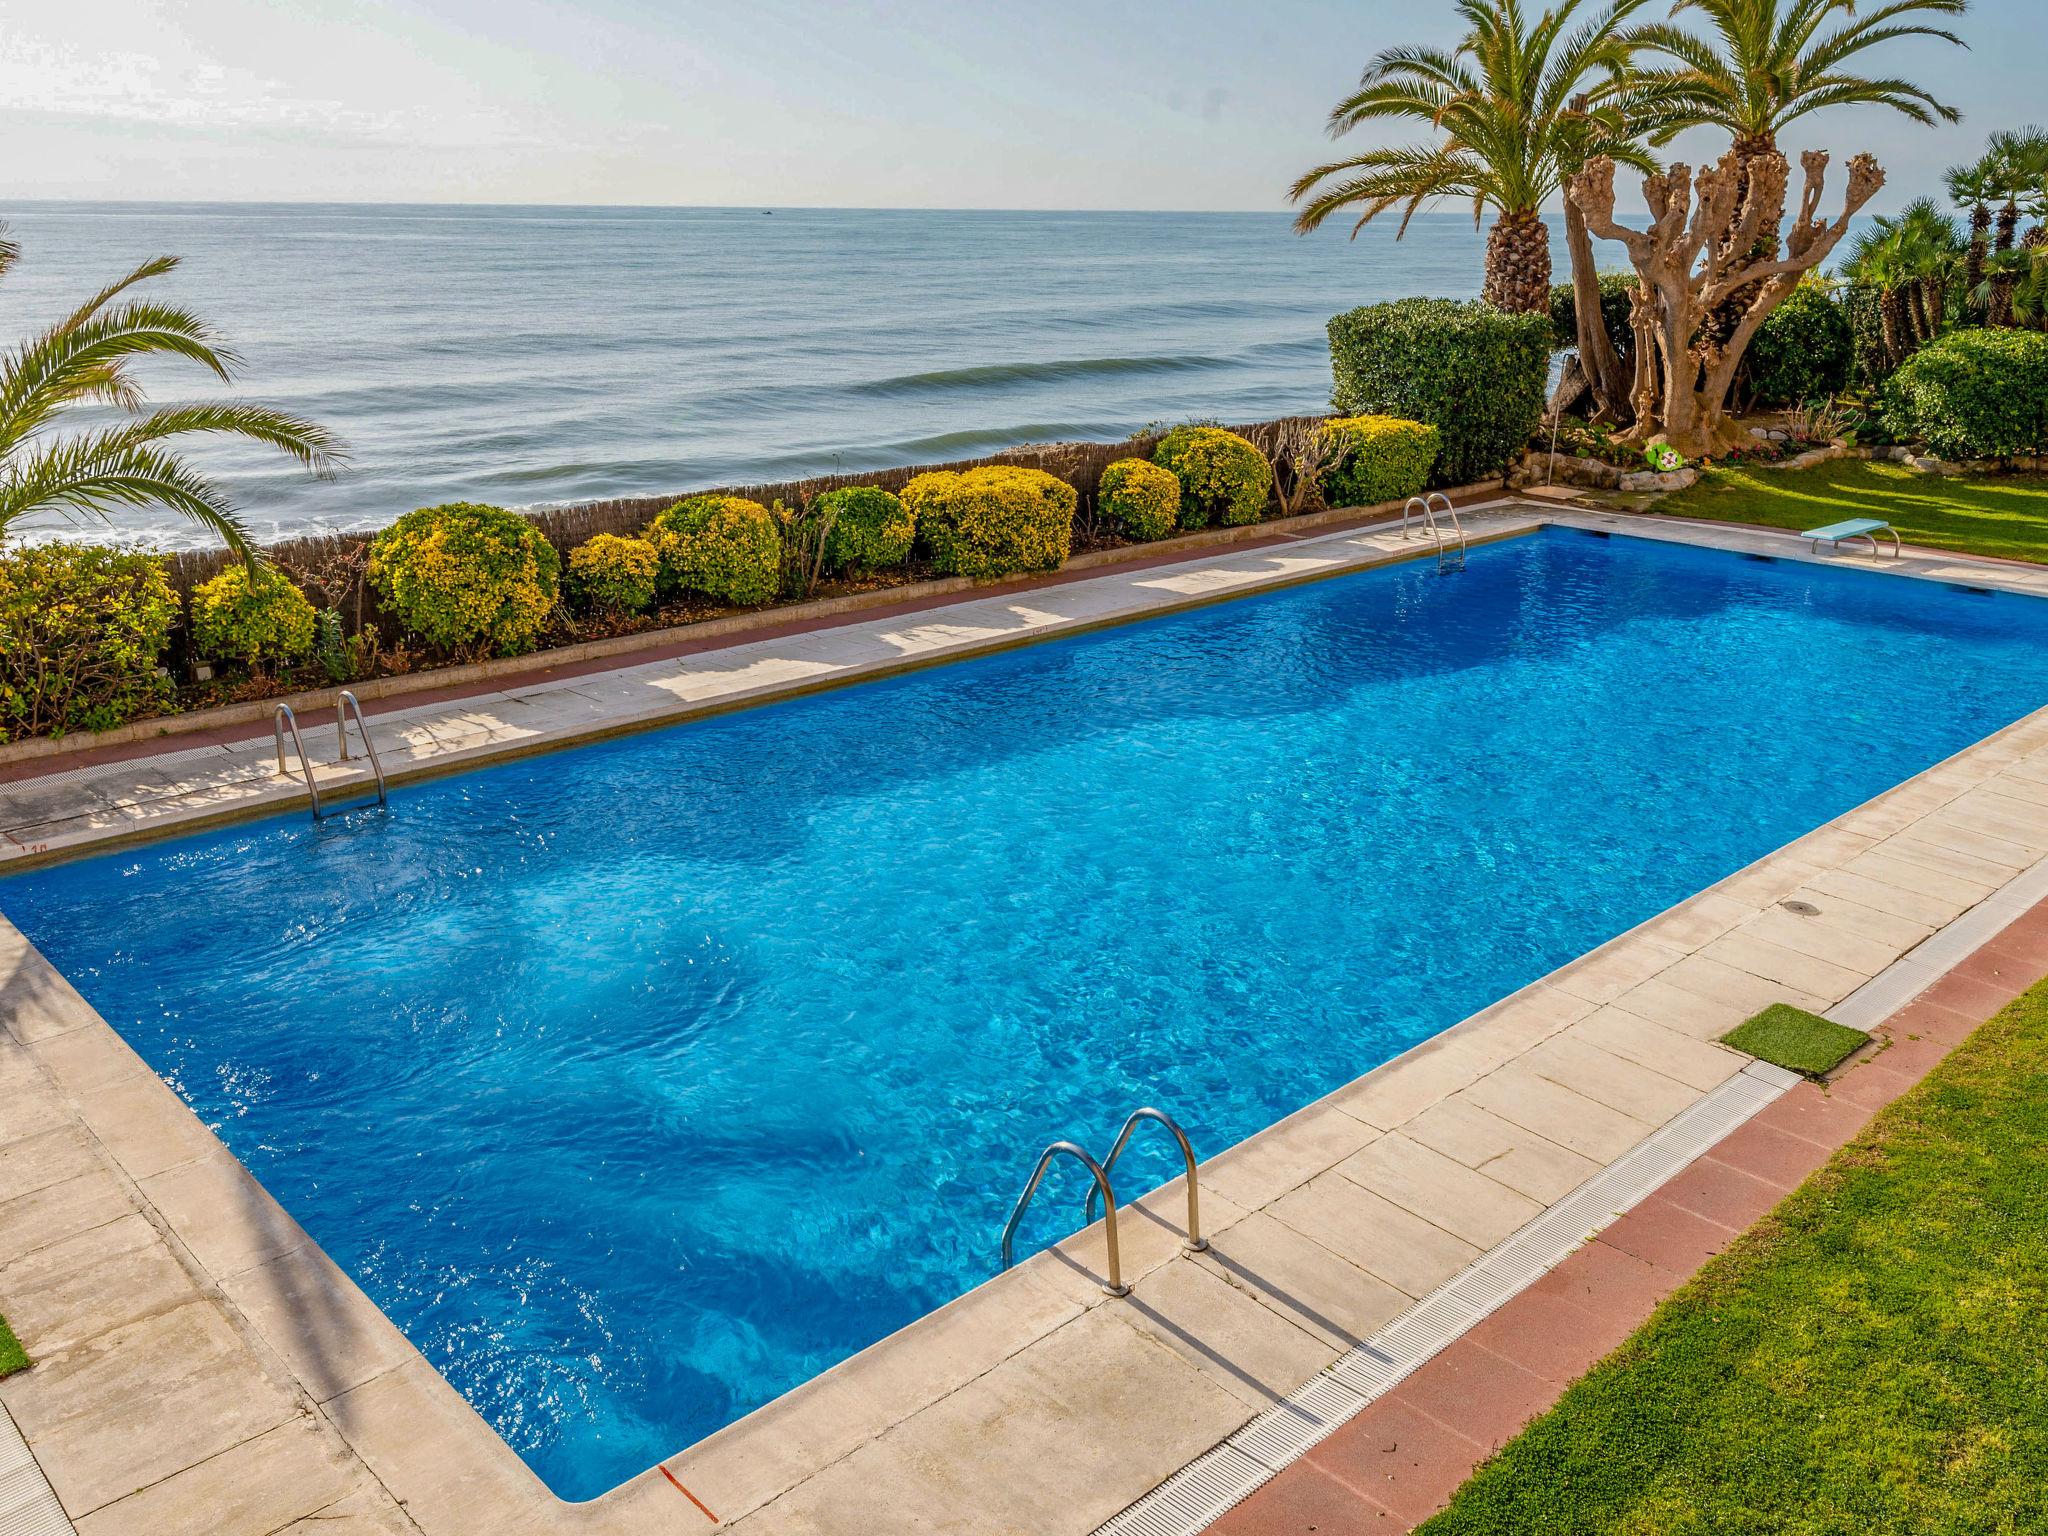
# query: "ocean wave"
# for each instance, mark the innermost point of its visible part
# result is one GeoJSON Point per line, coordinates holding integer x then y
{"type": "Point", "coordinates": [992, 376]}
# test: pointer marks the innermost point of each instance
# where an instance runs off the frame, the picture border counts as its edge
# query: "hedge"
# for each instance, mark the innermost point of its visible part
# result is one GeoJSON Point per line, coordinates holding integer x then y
{"type": "Point", "coordinates": [991, 522]}
{"type": "Point", "coordinates": [1223, 477]}
{"type": "Point", "coordinates": [612, 575]}
{"type": "Point", "coordinates": [251, 615]}
{"type": "Point", "coordinates": [1140, 497]}
{"type": "Point", "coordinates": [1475, 373]}
{"type": "Point", "coordinates": [465, 575]}
{"type": "Point", "coordinates": [870, 531]}
{"type": "Point", "coordinates": [1385, 458]}
{"type": "Point", "coordinates": [1802, 352]}
{"type": "Point", "coordinates": [81, 629]}
{"type": "Point", "coordinates": [725, 548]}
{"type": "Point", "coordinates": [1976, 394]}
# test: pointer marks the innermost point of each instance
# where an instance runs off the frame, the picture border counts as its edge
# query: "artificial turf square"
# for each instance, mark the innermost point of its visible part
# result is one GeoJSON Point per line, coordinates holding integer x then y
{"type": "Point", "coordinates": [1796, 1040]}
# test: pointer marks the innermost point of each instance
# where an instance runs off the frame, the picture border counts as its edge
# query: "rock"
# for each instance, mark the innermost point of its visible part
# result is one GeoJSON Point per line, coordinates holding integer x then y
{"type": "Point", "coordinates": [1659, 480]}
{"type": "Point", "coordinates": [1760, 433]}
{"type": "Point", "coordinates": [1776, 436]}
{"type": "Point", "coordinates": [1899, 455]}
{"type": "Point", "coordinates": [1926, 463]}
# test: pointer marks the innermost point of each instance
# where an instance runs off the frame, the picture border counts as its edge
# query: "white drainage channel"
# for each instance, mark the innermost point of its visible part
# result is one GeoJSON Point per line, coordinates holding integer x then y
{"type": "Point", "coordinates": [28, 1507]}
{"type": "Point", "coordinates": [1225, 1476]}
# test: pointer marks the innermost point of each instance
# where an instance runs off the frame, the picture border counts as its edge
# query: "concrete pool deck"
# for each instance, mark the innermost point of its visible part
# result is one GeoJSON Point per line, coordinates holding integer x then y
{"type": "Point", "coordinates": [203, 1367]}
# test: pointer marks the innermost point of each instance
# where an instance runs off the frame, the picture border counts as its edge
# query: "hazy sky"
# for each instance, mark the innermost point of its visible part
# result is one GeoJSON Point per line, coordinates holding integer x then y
{"type": "Point", "coordinates": [864, 103]}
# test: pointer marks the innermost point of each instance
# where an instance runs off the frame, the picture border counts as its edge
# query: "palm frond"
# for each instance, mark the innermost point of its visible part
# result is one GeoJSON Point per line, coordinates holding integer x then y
{"type": "Point", "coordinates": [85, 475]}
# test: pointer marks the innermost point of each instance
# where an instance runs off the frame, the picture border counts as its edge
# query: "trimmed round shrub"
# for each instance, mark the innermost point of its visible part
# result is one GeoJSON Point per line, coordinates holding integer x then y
{"type": "Point", "coordinates": [871, 528]}
{"type": "Point", "coordinates": [725, 548]}
{"type": "Point", "coordinates": [608, 574]}
{"type": "Point", "coordinates": [1386, 459]}
{"type": "Point", "coordinates": [1477, 374]}
{"type": "Point", "coordinates": [1802, 352]}
{"type": "Point", "coordinates": [993, 521]}
{"type": "Point", "coordinates": [1977, 394]}
{"type": "Point", "coordinates": [81, 629]}
{"type": "Point", "coordinates": [466, 576]}
{"type": "Point", "coordinates": [255, 617]}
{"type": "Point", "coordinates": [1141, 498]}
{"type": "Point", "coordinates": [1223, 477]}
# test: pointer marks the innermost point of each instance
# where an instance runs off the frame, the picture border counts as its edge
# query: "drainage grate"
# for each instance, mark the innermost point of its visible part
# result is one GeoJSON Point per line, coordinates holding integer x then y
{"type": "Point", "coordinates": [28, 1507]}
{"type": "Point", "coordinates": [1225, 1476]}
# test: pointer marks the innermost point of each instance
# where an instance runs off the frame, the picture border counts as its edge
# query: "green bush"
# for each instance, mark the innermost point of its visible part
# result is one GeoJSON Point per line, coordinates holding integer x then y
{"type": "Point", "coordinates": [467, 576]}
{"type": "Point", "coordinates": [1476, 374]}
{"type": "Point", "coordinates": [725, 548]}
{"type": "Point", "coordinates": [993, 521]}
{"type": "Point", "coordinates": [1615, 304]}
{"type": "Point", "coordinates": [1385, 458]}
{"type": "Point", "coordinates": [1977, 394]}
{"type": "Point", "coordinates": [80, 633]}
{"type": "Point", "coordinates": [611, 575]}
{"type": "Point", "coordinates": [1802, 352]}
{"type": "Point", "coordinates": [871, 528]}
{"type": "Point", "coordinates": [1142, 499]}
{"type": "Point", "coordinates": [1223, 477]}
{"type": "Point", "coordinates": [256, 619]}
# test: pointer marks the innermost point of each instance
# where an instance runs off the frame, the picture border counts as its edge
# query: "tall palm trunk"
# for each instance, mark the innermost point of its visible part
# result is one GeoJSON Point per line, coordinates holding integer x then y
{"type": "Point", "coordinates": [1610, 380]}
{"type": "Point", "coordinates": [1891, 310]}
{"type": "Point", "coordinates": [1916, 309]}
{"type": "Point", "coordinates": [1999, 311]}
{"type": "Point", "coordinates": [1518, 264]}
{"type": "Point", "coordinates": [1935, 302]}
{"type": "Point", "coordinates": [1980, 240]}
{"type": "Point", "coordinates": [1720, 324]}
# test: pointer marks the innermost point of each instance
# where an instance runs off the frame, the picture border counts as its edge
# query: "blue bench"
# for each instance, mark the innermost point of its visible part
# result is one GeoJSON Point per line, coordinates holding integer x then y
{"type": "Point", "coordinates": [1866, 528]}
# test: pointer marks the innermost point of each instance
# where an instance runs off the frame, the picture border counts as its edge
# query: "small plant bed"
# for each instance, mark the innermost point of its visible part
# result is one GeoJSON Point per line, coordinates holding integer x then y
{"type": "Point", "coordinates": [12, 1356]}
{"type": "Point", "coordinates": [1867, 1358]}
{"type": "Point", "coordinates": [2005, 515]}
{"type": "Point", "coordinates": [1796, 1040]}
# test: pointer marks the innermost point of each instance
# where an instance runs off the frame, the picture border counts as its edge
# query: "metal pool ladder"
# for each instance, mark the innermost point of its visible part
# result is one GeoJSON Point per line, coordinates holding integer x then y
{"type": "Point", "coordinates": [282, 716]}
{"type": "Point", "coordinates": [1100, 1185]}
{"type": "Point", "coordinates": [1449, 556]}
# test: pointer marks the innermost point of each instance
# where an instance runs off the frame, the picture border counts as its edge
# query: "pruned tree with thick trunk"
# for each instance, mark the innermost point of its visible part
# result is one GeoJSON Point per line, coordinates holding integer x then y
{"type": "Point", "coordinates": [1696, 253]}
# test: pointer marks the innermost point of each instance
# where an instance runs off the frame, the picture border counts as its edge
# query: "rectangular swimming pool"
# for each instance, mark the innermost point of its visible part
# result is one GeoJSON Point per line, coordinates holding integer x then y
{"type": "Point", "coordinates": [640, 1082]}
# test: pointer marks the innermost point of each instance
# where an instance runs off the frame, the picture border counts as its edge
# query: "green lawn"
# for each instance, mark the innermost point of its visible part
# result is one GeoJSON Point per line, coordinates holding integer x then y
{"type": "Point", "coordinates": [1978, 514]}
{"type": "Point", "coordinates": [1796, 1040]}
{"type": "Point", "coordinates": [1871, 1360]}
{"type": "Point", "coordinates": [12, 1356]}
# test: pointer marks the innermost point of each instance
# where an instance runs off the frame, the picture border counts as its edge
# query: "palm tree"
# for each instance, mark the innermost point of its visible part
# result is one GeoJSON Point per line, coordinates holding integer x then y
{"type": "Point", "coordinates": [1519, 105]}
{"type": "Point", "coordinates": [1974, 187]}
{"type": "Point", "coordinates": [1770, 63]}
{"type": "Point", "coordinates": [2018, 160]}
{"type": "Point", "coordinates": [1908, 257]}
{"type": "Point", "coordinates": [87, 358]}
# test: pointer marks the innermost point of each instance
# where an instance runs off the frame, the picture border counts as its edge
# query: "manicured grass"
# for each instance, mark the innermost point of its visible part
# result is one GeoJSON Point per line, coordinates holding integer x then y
{"type": "Point", "coordinates": [1796, 1040]}
{"type": "Point", "coordinates": [1868, 1360]}
{"type": "Point", "coordinates": [12, 1356]}
{"type": "Point", "coordinates": [1975, 514]}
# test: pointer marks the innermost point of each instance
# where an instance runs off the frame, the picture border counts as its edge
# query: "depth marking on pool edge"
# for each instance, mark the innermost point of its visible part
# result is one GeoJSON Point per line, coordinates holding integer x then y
{"type": "Point", "coordinates": [702, 1508]}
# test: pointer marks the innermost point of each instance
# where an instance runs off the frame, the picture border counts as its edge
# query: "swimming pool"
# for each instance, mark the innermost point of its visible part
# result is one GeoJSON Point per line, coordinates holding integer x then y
{"type": "Point", "coordinates": [640, 1082]}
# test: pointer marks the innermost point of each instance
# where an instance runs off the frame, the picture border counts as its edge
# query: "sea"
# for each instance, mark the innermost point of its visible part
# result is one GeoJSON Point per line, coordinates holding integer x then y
{"type": "Point", "coordinates": [534, 356]}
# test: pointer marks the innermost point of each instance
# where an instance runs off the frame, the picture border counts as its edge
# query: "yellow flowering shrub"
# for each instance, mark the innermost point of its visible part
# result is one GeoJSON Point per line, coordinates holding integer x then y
{"type": "Point", "coordinates": [255, 617]}
{"type": "Point", "coordinates": [1140, 498]}
{"type": "Point", "coordinates": [725, 548]}
{"type": "Point", "coordinates": [992, 521]}
{"type": "Point", "coordinates": [80, 633]}
{"type": "Point", "coordinates": [1386, 458]}
{"type": "Point", "coordinates": [466, 576]}
{"type": "Point", "coordinates": [608, 574]}
{"type": "Point", "coordinates": [1223, 477]}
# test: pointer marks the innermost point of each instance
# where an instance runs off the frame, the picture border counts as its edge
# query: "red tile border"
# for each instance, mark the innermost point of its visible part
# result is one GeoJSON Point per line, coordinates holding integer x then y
{"type": "Point", "coordinates": [1400, 1460]}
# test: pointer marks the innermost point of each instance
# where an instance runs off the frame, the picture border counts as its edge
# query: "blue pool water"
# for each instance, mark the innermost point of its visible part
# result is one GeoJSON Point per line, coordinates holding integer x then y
{"type": "Point", "coordinates": [640, 1082]}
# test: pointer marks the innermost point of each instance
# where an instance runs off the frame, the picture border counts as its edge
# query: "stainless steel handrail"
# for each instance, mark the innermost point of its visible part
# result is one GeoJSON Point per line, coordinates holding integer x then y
{"type": "Point", "coordinates": [1115, 1285]}
{"type": "Point", "coordinates": [348, 701]}
{"type": "Point", "coordinates": [1196, 1242]}
{"type": "Point", "coordinates": [281, 717]}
